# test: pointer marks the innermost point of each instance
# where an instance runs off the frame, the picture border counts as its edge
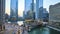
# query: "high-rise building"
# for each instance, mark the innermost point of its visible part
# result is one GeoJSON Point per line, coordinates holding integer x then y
{"type": "Point", "coordinates": [39, 9]}
{"type": "Point", "coordinates": [29, 4]}
{"type": "Point", "coordinates": [29, 8]}
{"type": "Point", "coordinates": [14, 10]}
{"type": "Point", "coordinates": [2, 13]}
{"type": "Point", "coordinates": [45, 15]}
{"type": "Point", "coordinates": [54, 14]}
{"type": "Point", "coordinates": [30, 15]}
{"type": "Point", "coordinates": [36, 7]}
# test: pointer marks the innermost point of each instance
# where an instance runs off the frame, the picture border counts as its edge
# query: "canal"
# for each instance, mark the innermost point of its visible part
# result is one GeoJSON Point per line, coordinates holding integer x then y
{"type": "Point", "coordinates": [43, 30]}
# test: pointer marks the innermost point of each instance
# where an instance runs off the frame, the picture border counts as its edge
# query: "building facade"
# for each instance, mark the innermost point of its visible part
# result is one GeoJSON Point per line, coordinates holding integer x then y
{"type": "Point", "coordinates": [35, 6]}
{"type": "Point", "coordinates": [45, 15]}
{"type": "Point", "coordinates": [29, 5]}
{"type": "Point", "coordinates": [2, 13]}
{"type": "Point", "coordinates": [29, 8]}
{"type": "Point", "coordinates": [14, 10]}
{"type": "Point", "coordinates": [39, 9]}
{"type": "Point", "coordinates": [54, 14]}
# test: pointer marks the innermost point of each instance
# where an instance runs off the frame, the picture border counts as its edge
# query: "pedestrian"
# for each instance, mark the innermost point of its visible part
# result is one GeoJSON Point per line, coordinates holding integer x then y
{"type": "Point", "coordinates": [18, 31]}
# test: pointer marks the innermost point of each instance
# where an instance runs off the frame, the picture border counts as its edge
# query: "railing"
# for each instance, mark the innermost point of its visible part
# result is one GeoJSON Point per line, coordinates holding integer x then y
{"type": "Point", "coordinates": [54, 28]}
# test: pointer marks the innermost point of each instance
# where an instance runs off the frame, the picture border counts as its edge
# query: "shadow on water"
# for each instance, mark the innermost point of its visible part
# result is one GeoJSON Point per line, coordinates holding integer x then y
{"type": "Point", "coordinates": [43, 30]}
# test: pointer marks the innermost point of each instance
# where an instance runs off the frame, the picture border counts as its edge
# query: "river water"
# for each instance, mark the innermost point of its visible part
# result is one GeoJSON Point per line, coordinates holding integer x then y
{"type": "Point", "coordinates": [43, 30]}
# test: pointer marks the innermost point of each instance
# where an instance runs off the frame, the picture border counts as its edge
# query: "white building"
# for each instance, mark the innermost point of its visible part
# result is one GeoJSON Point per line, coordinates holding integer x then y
{"type": "Point", "coordinates": [54, 13]}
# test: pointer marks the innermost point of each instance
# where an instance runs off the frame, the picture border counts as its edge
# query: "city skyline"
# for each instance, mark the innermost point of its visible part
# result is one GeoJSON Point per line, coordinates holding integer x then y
{"type": "Point", "coordinates": [29, 16]}
{"type": "Point", "coordinates": [46, 4]}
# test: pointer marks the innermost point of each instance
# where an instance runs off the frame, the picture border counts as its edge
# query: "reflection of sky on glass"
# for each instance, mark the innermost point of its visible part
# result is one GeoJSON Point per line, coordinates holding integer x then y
{"type": "Point", "coordinates": [34, 1]}
{"type": "Point", "coordinates": [27, 4]}
{"type": "Point", "coordinates": [13, 4]}
{"type": "Point", "coordinates": [40, 3]}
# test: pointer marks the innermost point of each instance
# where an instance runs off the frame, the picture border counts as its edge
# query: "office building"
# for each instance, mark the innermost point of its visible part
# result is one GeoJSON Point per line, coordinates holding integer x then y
{"type": "Point", "coordinates": [45, 15]}
{"type": "Point", "coordinates": [2, 14]}
{"type": "Point", "coordinates": [14, 10]}
{"type": "Point", "coordinates": [39, 9]}
{"type": "Point", "coordinates": [29, 5]}
{"type": "Point", "coordinates": [54, 14]}
{"type": "Point", "coordinates": [29, 8]}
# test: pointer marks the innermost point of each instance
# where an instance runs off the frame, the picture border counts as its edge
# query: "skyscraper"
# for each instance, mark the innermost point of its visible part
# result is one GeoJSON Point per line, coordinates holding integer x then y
{"type": "Point", "coordinates": [29, 8]}
{"type": "Point", "coordinates": [39, 9]}
{"type": "Point", "coordinates": [2, 13]}
{"type": "Point", "coordinates": [45, 15]}
{"type": "Point", "coordinates": [14, 9]}
{"type": "Point", "coordinates": [29, 5]}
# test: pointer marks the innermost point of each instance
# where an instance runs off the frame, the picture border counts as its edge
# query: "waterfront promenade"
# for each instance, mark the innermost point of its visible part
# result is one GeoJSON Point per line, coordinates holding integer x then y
{"type": "Point", "coordinates": [13, 29]}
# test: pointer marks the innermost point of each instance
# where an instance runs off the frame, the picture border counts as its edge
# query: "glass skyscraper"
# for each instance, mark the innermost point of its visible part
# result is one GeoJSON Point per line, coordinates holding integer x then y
{"type": "Point", "coordinates": [39, 9]}
{"type": "Point", "coordinates": [29, 9]}
{"type": "Point", "coordinates": [29, 5]}
{"type": "Point", "coordinates": [14, 9]}
{"type": "Point", "coordinates": [34, 6]}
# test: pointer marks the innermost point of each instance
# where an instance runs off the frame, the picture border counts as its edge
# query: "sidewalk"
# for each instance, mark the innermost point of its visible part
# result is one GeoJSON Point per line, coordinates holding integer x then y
{"type": "Point", "coordinates": [2, 32]}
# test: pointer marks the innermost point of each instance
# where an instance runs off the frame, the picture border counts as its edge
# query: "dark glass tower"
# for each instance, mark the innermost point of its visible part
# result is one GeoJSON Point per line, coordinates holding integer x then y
{"type": "Point", "coordinates": [2, 14]}
{"type": "Point", "coordinates": [14, 10]}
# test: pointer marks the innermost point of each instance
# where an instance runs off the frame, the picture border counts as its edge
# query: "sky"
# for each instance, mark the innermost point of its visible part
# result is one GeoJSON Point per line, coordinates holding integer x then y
{"type": "Point", "coordinates": [46, 4]}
